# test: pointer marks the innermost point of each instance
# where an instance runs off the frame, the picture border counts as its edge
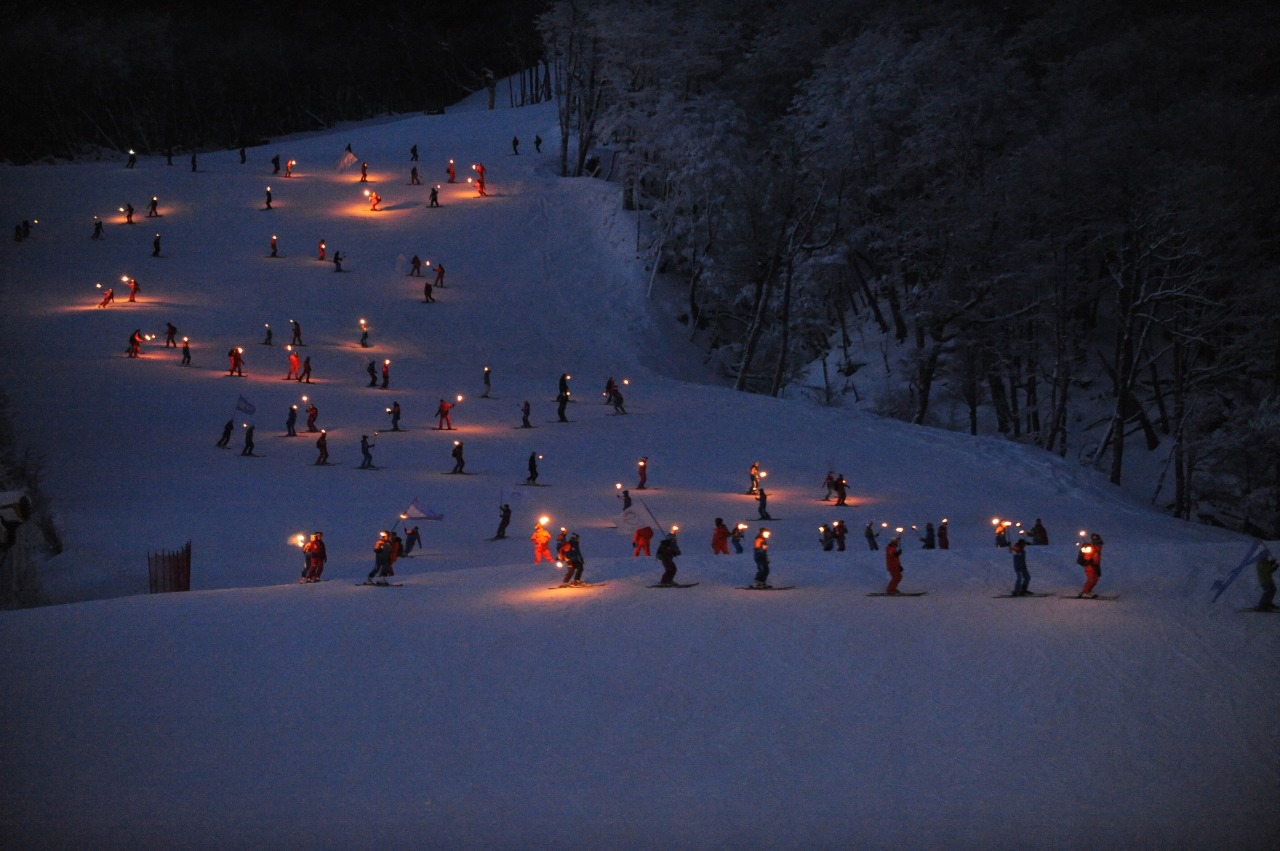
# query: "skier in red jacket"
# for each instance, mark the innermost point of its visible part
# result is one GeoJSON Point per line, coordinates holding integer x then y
{"type": "Point", "coordinates": [720, 538]}
{"type": "Point", "coordinates": [641, 540]}
{"type": "Point", "coordinates": [1090, 558]}
{"type": "Point", "coordinates": [893, 564]}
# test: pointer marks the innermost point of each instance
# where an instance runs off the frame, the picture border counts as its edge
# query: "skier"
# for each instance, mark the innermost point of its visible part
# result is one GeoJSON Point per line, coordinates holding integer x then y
{"type": "Point", "coordinates": [135, 343]}
{"type": "Point", "coordinates": [573, 555]}
{"type": "Point", "coordinates": [97, 228]}
{"type": "Point", "coordinates": [248, 440]}
{"type": "Point", "coordinates": [374, 200]}
{"type": "Point", "coordinates": [562, 402]}
{"type": "Point", "coordinates": [1023, 580]}
{"type": "Point", "coordinates": [337, 261]}
{"type": "Point", "coordinates": [444, 423]}
{"type": "Point", "coordinates": [133, 159]}
{"type": "Point", "coordinates": [365, 446]}
{"type": "Point", "coordinates": [827, 538]}
{"type": "Point", "coordinates": [170, 333]}
{"type": "Point", "coordinates": [236, 357]}
{"type": "Point", "coordinates": [397, 546]}
{"type": "Point", "coordinates": [564, 384]}
{"type": "Point", "coordinates": [268, 207]}
{"type": "Point", "coordinates": [515, 145]}
{"type": "Point", "coordinates": [439, 282]}
{"type": "Point", "coordinates": [537, 143]}
{"type": "Point", "coordinates": [322, 444]}
{"type": "Point", "coordinates": [412, 538]}
{"type": "Point", "coordinates": [415, 266]}
{"type": "Point", "coordinates": [524, 415]}
{"type": "Point", "coordinates": [893, 564]}
{"type": "Point", "coordinates": [762, 559]}
{"type": "Point", "coordinates": [720, 538]}
{"type": "Point", "coordinates": [275, 164]}
{"type": "Point", "coordinates": [186, 352]}
{"type": "Point", "coordinates": [364, 172]}
{"type": "Point", "coordinates": [266, 341]}
{"type": "Point", "coordinates": [668, 549]}
{"type": "Point", "coordinates": [1090, 558]}
{"type": "Point", "coordinates": [640, 540]}
{"type": "Point", "coordinates": [435, 197]}
{"type": "Point", "coordinates": [735, 537]}
{"type": "Point", "coordinates": [1002, 538]}
{"type": "Point", "coordinates": [839, 530]}
{"type": "Point", "coordinates": [830, 484]}
{"type": "Point", "coordinates": [459, 463]}
{"type": "Point", "coordinates": [625, 496]}
{"type": "Point", "coordinates": [644, 472]}
{"type": "Point", "coordinates": [541, 537]}
{"type": "Point", "coordinates": [373, 374]}
{"type": "Point", "coordinates": [504, 519]}
{"type": "Point", "coordinates": [155, 246]}
{"type": "Point", "coordinates": [290, 421]}
{"type": "Point", "coordinates": [485, 393]}
{"type": "Point", "coordinates": [381, 560]}
{"type": "Point", "coordinates": [453, 178]}
{"type": "Point", "coordinates": [754, 473]}
{"type": "Point", "coordinates": [321, 250]}
{"type": "Point", "coordinates": [305, 375]}
{"type": "Point", "coordinates": [1266, 567]}
{"type": "Point", "coordinates": [226, 434]}
{"type": "Point", "coordinates": [295, 363]}
{"type": "Point", "coordinates": [413, 177]}
{"type": "Point", "coordinates": [312, 413]}
{"type": "Point", "coordinates": [386, 374]}
{"type": "Point", "coordinates": [134, 289]}
{"type": "Point", "coordinates": [610, 387]}
{"type": "Point", "coordinates": [108, 297]}
{"type": "Point", "coordinates": [1039, 534]}
{"type": "Point", "coordinates": [152, 208]}
{"type": "Point", "coordinates": [929, 541]}
{"type": "Point", "coordinates": [533, 469]}
{"type": "Point", "coordinates": [618, 402]}
{"type": "Point", "coordinates": [842, 489]}
{"type": "Point", "coordinates": [427, 296]}
{"type": "Point", "coordinates": [394, 411]}
{"type": "Point", "coordinates": [297, 332]}
{"type": "Point", "coordinates": [763, 499]}
{"type": "Point", "coordinates": [944, 542]}
{"type": "Point", "coordinates": [316, 557]}
{"type": "Point", "coordinates": [871, 534]}
{"type": "Point", "coordinates": [128, 213]}
{"type": "Point", "coordinates": [274, 246]}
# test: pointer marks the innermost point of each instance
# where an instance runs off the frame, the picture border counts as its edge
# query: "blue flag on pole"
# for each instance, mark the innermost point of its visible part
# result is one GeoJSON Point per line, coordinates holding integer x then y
{"type": "Point", "coordinates": [244, 407]}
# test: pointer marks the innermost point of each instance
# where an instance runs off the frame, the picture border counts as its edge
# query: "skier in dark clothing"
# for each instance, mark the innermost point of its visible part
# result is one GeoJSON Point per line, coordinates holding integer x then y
{"type": "Point", "coordinates": [435, 197]}
{"type": "Point", "coordinates": [762, 558]}
{"type": "Point", "coordinates": [373, 374]}
{"type": "Point", "coordinates": [275, 164]}
{"type": "Point", "coordinates": [562, 402]}
{"type": "Point", "coordinates": [643, 469]}
{"type": "Point", "coordinates": [524, 415]}
{"type": "Point", "coordinates": [291, 421]}
{"type": "Point", "coordinates": [841, 488]}
{"type": "Point", "coordinates": [625, 496]}
{"type": "Point", "coordinates": [226, 434]}
{"type": "Point", "coordinates": [763, 499]}
{"type": "Point", "coordinates": [871, 534]}
{"type": "Point", "coordinates": [573, 555]}
{"type": "Point", "coordinates": [312, 413]}
{"type": "Point", "coordinates": [305, 375]}
{"type": "Point", "coordinates": [487, 385]}
{"type": "Point", "coordinates": [1019, 550]}
{"type": "Point", "coordinates": [322, 444]}
{"type": "Point", "coordinates": [839, 530]}
{"type": "Point", "coordinates": [944, 542]}
{"type": "Point", "coordinates": [929, 541]}
{"type": "Point", "coordinates": [297, 332]}
{"type": "Point", "coordinates": [504, 519]}
{"type": "Point", "coordinates": [533, 469]}
{"type": "Point", "coordinates": [412, 538]}
{"type": "Point", "coordinates": [515, 145]}
{"type": "Point", "coordinates": [186, 352]}
{"type": "Point", "coordinates": [386, 374]}
{"type": "Point", "coordinates": [668, 549]}
{"type": "Point", "coordinates": [1039, 535]}
{"type": "Point", "coordinates": [459, 463]}
{"type": "Point", "coordinates": [394, 411]}
{"type": "Point", "coordinates": [365, 446]}
{"type": "Point", "coordinates": [537, 144]}
{"type": "Point", "coordinates": [381, 560]}
{"type": "Point", "coordinates": [248, 440]}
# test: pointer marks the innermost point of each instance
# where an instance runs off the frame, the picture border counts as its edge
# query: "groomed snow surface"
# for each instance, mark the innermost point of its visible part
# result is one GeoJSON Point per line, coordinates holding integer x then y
{"type": "Point", "coordinates": [475, 707]}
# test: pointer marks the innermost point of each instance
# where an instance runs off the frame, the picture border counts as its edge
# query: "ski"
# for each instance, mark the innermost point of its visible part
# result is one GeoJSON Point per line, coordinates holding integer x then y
{"type": "Point", "coordinates": [579, 585]}
{"type": "Point", "coordinates": [673, 585]}
{"type": "Point", "coordinates": [899, 594]}
{"type": "Point", "coordinates": [1096, 597]}
{"type": "Point", "coordinates": [531, 485]}
{"type": "Point", "coordinates": [765, 588]}
{"type": "Point", "coordinates": [381, 584]}
{"type": "Point", "coordinates": [1010, 596]}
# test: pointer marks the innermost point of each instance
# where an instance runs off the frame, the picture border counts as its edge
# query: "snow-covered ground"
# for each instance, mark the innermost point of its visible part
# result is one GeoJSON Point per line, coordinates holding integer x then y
{"type": "Point", "coordinates": [475, 706]}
